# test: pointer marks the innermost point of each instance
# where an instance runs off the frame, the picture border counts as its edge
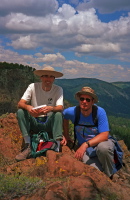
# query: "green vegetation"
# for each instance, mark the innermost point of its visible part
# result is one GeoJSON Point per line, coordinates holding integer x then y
{"type": "Point", "coordinates": [14, 187]}
{"type": "Point", "coordinates": [15, 78]}
{"type": "Point", "coordinates": [5, 65]}
{"type": "Point", "coordinates": [107, 194]}
{"type": "Point", "coordinates": [120, 128]}
{"type": "Point", "coordinates": [113, 97]}
{"type": "Point", "coordinates": [122, 84]}
{"type": "Point", "coordinates": [17, 186]}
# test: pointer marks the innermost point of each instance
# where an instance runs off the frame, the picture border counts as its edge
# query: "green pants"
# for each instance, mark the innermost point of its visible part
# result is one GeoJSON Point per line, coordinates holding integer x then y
{"type": "Point", "coordinates": [53, 124]}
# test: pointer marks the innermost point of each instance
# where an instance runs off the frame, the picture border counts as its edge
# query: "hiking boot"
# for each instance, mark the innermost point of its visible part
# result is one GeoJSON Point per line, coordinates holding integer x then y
{"type": "Point", "coordinates": [25, 153]}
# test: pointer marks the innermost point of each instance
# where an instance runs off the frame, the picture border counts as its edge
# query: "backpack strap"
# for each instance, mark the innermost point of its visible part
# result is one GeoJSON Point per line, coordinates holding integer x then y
{"type": "Point", "coordinates": [77, 115]}
{"type": "Point", "coordinates": [94, 115]}
{"type": "Point", "coordinates": [77, 118]}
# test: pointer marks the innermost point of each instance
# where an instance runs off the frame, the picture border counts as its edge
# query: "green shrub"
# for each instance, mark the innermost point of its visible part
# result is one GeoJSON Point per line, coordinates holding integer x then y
{"type": "Point", "coordinates": [107, 194]}
{"type": "Point", "coordinates": [12, 186]}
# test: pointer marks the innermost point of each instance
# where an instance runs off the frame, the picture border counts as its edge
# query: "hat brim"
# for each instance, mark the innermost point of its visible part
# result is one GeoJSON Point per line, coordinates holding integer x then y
{"type": "Point", "coordinates": [48, 72]}
{"type": "Point", "coordinates": [78, 94]}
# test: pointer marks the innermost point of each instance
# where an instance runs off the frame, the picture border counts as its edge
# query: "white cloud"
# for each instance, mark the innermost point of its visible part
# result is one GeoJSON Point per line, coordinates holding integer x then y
{"type": "Point", "coordinates": [82, 33]}
{"type": "Point", "coordinates": [106, 72]}
{"type": "Point", "coordinates": [50, 58]}
{"type": "Point", "coordinates": [105, 6]}
{"type": "Point", "coordinates": [43, 25]}
{"type": "Point", "coordinates": [28, 7]}
{"type": "Point", "coordinates": [104, 47]}
{"type": "Point", "coordinates": [18, 22]}
{"type": "Point", "coordinates": [70, 68]}
{"type": "Point", "coordinates": [14, 57]}
{"type": "Point", "coordinates": [24, 43]}
{"type": "Point", "coordinates": [66, 11]}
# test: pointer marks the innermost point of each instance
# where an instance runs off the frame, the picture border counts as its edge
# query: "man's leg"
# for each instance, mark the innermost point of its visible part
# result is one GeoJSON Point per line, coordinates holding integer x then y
{"type": "Point", "coordinates": [105, 154]}
{"type": "Point", "coordinates": [54, 127]}
{"type": "Point", "coordinates": [94, 162]}
{"type": "Point", "coordinates": [26, 124]}
{"type": "Point", "coordinates": [53, 124]}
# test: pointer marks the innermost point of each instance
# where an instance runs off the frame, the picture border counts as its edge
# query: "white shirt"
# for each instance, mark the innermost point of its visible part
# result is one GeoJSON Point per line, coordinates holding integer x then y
{"type": "Point", "coordinates": [36, 96]}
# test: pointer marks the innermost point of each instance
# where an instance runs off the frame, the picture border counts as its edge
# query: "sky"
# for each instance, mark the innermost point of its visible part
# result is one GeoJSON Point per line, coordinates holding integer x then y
{"type": "Point", "coordinates": [80, 38]}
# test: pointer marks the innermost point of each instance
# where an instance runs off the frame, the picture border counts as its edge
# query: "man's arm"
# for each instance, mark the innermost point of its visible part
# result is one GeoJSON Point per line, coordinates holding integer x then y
{"type": "Point", "coordinates": [23, 104]}
{"type": "Point", "coordinates": [92, 142]}
{"type": "Point", "coordinates": [65, 132]}
{"type": "Point", "coordinates": [42, 111]}
{"type": "Point", "coordinates": [99, 138]}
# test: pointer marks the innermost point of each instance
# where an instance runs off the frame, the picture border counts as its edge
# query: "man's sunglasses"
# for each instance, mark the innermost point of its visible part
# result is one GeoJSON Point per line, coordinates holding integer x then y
{"type": "Point", "coordinates": [87, 99]}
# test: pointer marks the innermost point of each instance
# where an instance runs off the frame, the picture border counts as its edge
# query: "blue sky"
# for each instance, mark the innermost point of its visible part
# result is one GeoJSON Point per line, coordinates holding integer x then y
{"type": "Point", "coordinates": [88, 38]}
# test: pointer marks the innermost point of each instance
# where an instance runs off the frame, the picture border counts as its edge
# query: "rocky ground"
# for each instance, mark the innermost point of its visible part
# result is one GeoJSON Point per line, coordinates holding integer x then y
{"type": "Point", "coordinates": [65, 177]}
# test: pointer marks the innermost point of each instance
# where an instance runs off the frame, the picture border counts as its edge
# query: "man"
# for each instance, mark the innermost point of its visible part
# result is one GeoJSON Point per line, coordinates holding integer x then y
{"type": "Point", "coordinates": [96, 137]}
{"type": "Point", "coordinates": [48, 117]}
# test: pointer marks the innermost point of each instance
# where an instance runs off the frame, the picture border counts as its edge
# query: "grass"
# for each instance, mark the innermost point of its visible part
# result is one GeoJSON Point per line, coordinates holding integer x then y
{"type": "Point", "coordinates": [16, 186]}
{"type": "Point", "coordinates": [107, 194]}
{"type": "Point", "coordinates": [4, 115]}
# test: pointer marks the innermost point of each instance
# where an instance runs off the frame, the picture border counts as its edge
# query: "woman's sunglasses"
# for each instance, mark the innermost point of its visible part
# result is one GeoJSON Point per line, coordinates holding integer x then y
{"type": "Point", "coordinates": [87, 99]}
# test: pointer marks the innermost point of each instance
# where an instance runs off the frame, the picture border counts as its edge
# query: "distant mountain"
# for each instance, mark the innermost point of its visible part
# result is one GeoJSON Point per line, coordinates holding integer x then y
{"type": "Point", "coordinates": [14, 79]}
{"type": "Point", "coordinates": [122, 84]}
{"type": "Point", "coordinates": [114, 99]}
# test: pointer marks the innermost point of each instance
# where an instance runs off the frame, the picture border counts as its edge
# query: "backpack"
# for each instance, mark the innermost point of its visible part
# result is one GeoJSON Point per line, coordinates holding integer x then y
{"type": "Point", "coordinates": [40, 143]}
{"type": "Point", "coordinates": [77, 118]}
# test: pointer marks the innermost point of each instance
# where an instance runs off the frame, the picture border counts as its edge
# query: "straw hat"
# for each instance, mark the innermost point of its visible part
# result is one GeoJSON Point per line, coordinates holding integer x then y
{"type": "Point", "coordinates": [88, 91]}
{"type": "Point", "coordinates": [48, 70]}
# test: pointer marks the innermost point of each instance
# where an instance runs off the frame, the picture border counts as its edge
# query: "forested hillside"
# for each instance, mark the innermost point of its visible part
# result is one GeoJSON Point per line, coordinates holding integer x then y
{"type": "Point", "coordinates": [15, 78]}
{"type": "Point", "coordinates": [114, 97]}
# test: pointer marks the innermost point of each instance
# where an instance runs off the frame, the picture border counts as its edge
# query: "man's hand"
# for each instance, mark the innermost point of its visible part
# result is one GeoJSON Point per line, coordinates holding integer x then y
{"type": "Point", "coordinates": [65, 140]}
{"type": "Point", "coordinates": [80, 152]}
{"type": "Point", "coordinates": [45, 110]}
{"type": "Point", "coordinates": [33, 112]}
{"type": "Point", "coordinates": [40, 111]}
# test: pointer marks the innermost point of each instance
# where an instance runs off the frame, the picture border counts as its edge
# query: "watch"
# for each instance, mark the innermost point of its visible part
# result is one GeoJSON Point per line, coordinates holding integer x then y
{"type": "Point", "coordinates": [88, 143]}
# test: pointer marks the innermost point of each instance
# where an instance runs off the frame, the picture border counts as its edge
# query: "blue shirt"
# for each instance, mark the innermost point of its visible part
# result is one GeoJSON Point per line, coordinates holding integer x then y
{"type": "Point", "coordinates": [84, 133]}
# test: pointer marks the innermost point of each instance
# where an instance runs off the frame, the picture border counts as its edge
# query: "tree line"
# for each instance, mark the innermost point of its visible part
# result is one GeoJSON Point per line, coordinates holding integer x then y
{"type": "Point", "coordinates": [119, 129]}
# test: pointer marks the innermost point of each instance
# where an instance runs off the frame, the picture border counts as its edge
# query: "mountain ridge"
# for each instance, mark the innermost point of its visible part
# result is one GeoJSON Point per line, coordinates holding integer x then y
{"type": "Point", "coordinates": [115, 100]}
{"type": "Point", "coordinates": [15, 78]}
